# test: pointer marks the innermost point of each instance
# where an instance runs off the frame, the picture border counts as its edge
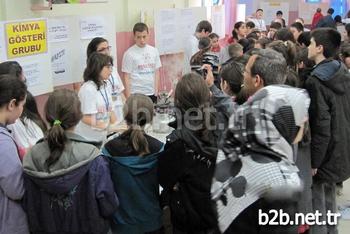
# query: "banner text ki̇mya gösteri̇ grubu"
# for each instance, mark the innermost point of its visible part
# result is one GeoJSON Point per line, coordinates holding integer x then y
{"type": "Point", "coordinates": [26, 38]}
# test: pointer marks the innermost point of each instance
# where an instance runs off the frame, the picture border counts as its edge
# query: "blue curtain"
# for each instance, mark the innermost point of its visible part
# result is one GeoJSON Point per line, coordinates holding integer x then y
{"type": "Point", "coordinates": [339, 6]}
{"type": "Point", "coordinates": [249, 6]}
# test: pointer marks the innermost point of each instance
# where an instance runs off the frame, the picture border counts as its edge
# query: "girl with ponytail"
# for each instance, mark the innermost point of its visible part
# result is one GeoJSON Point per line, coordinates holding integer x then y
{"type": "Point", "coordinates": [239, 32]}
{"type": "Point", "coordinates": [68, 185]}
{"type": "Point", "coordinates": [133, 160]}
{"type": "Point", "coordinates": [287, 49]}
{"type": "Point", "coordinates": [204, 46]}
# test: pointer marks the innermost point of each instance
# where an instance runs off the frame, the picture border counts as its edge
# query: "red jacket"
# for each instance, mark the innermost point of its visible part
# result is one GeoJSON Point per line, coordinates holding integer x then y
{"type": "Point", "coordinates": [317, 17]}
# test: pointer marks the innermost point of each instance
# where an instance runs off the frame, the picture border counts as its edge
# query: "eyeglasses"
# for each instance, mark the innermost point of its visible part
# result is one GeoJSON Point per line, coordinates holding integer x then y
{"type": "Point", "coordinates": [108, 48]}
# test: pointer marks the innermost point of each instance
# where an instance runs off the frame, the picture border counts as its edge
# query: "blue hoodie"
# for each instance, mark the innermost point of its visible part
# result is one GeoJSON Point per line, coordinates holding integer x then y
{"type": "Point", "coordinates": [326, 69]}
{"type": "Point", "coordinates": [136, 184]}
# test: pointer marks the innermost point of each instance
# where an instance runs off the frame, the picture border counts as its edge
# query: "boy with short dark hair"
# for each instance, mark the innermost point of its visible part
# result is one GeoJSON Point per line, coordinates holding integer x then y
{"type": "Point", "coordinates": [235, 50]}
{"type": "Point", "coordinates": [279, 18]}
{"type": "Point", "coordinates": [274, 27]}
{"type": "Point", "coordinates": [327, 21]}
{"type": "Point", "coordinates": [203, 29]}
{"type": "Point", "coordinates": [250, 27]}
{"type": "Point", "coordinates": [141, 64]}
{"type": "Point", "coordinates": [259, 21]}
{"type": "Point", "coordinates": [328, 86]}
{"type": "Point", "coordinates": [296, 28]}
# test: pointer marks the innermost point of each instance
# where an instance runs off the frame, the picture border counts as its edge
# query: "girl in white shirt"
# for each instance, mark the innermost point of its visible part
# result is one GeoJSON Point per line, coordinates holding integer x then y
{"type": "Point", "coordinates": [114, 83]}
{"type": "Point", "coordinates": [30, 127]}
{"type": "Point", "coordinates": [96, 99]}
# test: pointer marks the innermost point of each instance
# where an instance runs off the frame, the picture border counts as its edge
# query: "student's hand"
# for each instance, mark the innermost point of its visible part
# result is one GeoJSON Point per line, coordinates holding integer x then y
{"type": "Point", "coordinates": [314, 171]}
{"type": "Point", "coordinates": [100, 124]}
{"type": "Point", "coordinates": [210, 77]}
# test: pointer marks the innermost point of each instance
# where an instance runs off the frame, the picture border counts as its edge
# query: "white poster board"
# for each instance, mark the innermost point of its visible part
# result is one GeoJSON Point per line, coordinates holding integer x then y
{"type": "Point", "coordinates": [240, 12]}
{"type": "Point", "coordinates": [218, 20]}
{"type": "Point", "coordinates": [31, 50]}
{"type": "Point", "coordinates": [307, 10]}
{"type": "Point", "coordinates": [270, 9]}
{"type": "Point", "coordinates": [68, 57]}
{"type": "Point", "coordinates": [173, 27]}
{"type": "Point", "coordinates": [166, 31]}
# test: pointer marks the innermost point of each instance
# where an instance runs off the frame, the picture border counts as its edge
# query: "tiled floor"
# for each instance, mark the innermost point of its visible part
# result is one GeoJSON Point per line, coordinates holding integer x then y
{"type": "Point", "coordinates": [344, 225]}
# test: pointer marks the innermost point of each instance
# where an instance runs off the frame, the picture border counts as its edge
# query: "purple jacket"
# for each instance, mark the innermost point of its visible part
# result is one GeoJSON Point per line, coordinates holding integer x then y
{"type": "Point", "coordinates": [12, 217]}
{"type": "Point", "coordinates": [77, 196]}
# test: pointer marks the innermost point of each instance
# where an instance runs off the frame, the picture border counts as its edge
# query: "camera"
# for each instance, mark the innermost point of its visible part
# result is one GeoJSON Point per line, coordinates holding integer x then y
{"type": "Point", "coordinates": [209, 59]}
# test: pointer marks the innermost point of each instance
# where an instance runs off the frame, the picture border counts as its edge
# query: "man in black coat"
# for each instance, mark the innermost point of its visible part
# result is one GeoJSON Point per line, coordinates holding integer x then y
{"type": "Point", "coordinates": [329, 90]}
{"type": "Point", "coordinates": [327, 21]}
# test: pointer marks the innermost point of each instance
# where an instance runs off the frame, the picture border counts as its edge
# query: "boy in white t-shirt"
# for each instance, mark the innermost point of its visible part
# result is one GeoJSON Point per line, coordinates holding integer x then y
{"type": "Point", "coordinates": [141, 63]}
{"type": "Point", "coordinates": [259, 21]}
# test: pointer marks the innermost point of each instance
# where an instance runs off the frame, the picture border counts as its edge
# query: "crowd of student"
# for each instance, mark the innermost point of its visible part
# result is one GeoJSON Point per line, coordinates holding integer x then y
{"type": "Point", "coordinates": [262, 123]}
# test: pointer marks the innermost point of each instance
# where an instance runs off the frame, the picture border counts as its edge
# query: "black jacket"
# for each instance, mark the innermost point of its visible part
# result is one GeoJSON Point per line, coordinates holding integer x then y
{"type": "Point", "coordinates": [326, 22]}
{"type": "Point", "coordinates": [185, 172]}
{"type": "Point", "coordinates": [329, 90]}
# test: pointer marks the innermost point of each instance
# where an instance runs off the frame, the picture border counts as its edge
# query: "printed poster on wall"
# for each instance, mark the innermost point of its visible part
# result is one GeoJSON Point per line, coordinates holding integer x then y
{"type": "Point", "coordinates": [187, 21]}
{"type": "Point", "coordinates": [166, 27]}
{"type": "Point", "coordinates": [26, 38]}
{"type": "Point", "coordinates": [58, 30]}
{"type": "Point", "coordinates": [59, 63]}
{"type": "Point", "coordinates": [91, 27]}
{"type": "Point", "coordinates": [173, 27]}
{"type": "Point", "coordinates": [31, 71]}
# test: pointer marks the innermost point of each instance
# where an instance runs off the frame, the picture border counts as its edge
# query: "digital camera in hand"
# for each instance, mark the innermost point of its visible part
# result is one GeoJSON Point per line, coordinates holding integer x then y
{"type": "Point", "coordinates": [213, 61]}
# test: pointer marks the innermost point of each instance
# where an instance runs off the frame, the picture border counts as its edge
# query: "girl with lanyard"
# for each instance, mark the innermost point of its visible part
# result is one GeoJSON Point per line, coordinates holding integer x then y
{"type": "Point", "coordinates": [96, 99]}
{"type": "Point", "coordinates": [114, 83]}
{"type": "Point", "coordinates": [12, 216]}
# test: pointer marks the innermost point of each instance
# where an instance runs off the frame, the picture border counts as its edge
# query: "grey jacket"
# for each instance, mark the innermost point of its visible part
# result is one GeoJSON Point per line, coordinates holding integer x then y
{"type": "Point", "coordinates": [13, 219]}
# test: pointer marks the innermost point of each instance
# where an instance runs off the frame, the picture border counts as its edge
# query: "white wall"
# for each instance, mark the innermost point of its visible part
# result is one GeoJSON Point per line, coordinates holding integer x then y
{"type": "Point", "coordinates": [127, 12]}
